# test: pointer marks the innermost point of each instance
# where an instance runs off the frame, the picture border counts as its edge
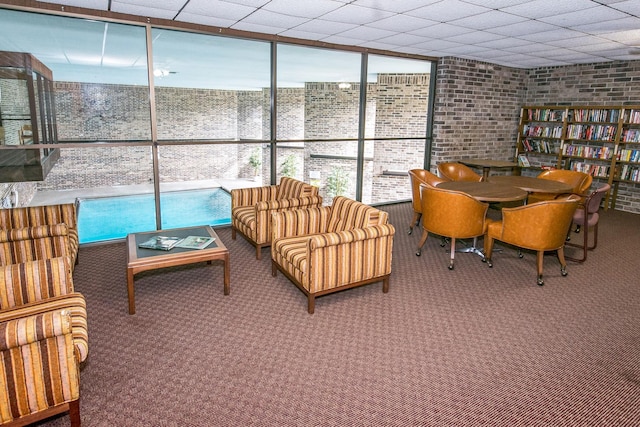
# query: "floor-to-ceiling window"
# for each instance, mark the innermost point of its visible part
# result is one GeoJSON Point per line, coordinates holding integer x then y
{"type": "Point", "coordinates": [143, 109]}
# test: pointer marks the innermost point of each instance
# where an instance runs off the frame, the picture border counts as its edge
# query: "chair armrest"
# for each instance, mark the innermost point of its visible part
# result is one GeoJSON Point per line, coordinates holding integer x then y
{"type": "Point", "coordinates": [299, 222]}
{"type": "Point", "coordinates": [30, 233]}
{"type": "Point", "coordinates": [251, 196]}
{"type": "Point", "coordinates": [281, 204]}
{"type": "Point", "coordinates": [349, 236]}
{"type": "Point", "coordinates": [38, 327]}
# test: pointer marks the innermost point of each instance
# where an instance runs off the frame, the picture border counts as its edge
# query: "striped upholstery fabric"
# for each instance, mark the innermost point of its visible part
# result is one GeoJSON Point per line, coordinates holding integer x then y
{"type": "Point", "coordinates": [28, 244]}
{"type": "Point", "coordinates": [251, 208]}
{"type": "Point", "coordinates": [38, 368]}
{"type": "Point", "coordinates": [319, 261]}
{"type": "Point", "coordinates": [33, 216]}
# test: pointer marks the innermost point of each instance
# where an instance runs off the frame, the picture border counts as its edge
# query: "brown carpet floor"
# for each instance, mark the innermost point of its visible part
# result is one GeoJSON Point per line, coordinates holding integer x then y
{"type": "Point", "coordinates": [470, 347]}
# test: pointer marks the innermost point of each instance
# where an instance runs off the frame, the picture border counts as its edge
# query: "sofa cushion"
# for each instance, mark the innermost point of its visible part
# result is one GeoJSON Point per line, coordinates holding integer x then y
{"type": "Point", "coordinates": [290, 188]}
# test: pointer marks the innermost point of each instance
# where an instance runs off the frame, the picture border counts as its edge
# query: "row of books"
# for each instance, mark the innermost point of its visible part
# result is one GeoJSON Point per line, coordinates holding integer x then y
{"type": "Point", "coordinates": [545, 115]}
{"type": "Point", "coordinates": [628, 155]}
{"type": "Point", "coordinates": [542, 131]}
{"type": "Point", "coordinates": [599, 115]}
{"type": "Point", "coordinates": [538, 145]}
{"type": "Point", "coordinates": [592, 132]}
{"type": "Point", "coordinates": [631, 135]}
{"type": "Point", "coordinates": [630, 173]}
{"type": "Point", "coordinates": [591, 169]}
{"type": "Point", "coordinates": [587, 151]}
{"type": "Point", "coordinates": [632, 116]}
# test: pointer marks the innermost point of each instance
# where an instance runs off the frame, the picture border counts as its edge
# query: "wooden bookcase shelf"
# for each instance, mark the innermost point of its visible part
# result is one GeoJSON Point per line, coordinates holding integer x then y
{"type": "Point", "coordinates": [603, 141]}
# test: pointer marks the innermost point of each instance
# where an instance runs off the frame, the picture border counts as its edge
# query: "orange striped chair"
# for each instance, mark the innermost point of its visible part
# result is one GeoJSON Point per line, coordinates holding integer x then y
{"type": "Point", "coordinates": [332, 248]}
{"type": "Point", "coordinates": [43, 341]}
{"type": "Point", "coordinates": [251, 208]}
{"type": "Point", "coordinates": [34, 216]}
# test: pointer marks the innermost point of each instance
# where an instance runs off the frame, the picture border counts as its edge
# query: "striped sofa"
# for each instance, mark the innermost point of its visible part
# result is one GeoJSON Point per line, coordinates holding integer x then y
{"type": "Point", "coordinates": [43, 340]}
{"type": "Point", "coordinates": [251, 208]}
{"type": "Point", "coordinates": [331, 248]}
{"type": "Point", "coordinates": [34, 216]}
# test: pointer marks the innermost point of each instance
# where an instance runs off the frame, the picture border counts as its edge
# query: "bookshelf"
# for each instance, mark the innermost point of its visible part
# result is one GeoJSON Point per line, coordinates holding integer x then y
{"type": "Point", "coordinates": [603, 141]}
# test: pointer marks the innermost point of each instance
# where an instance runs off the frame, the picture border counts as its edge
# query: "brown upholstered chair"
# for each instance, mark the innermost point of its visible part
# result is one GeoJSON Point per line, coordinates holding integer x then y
{"type": "Point", "coordinates": [587, 217]}
{"type": "Point", "coordinates": [20, 245]}
{"type": "Point", "coordinates": [579, 182]}
{"type": "Point", "coordinates": [251, 208]}
{"type": "Point", "coordinates": [332, 248]}
{"type": "Point", "coordinates": [451, 214]}
{"type": "Point", "coordinates": [43, 341]}
{"type": "Point", "coordinates": [417, 177]}
{"type": "Point", "coordinates": [457, 172]}
{"type": "Point", "coordinates": [538, 226]}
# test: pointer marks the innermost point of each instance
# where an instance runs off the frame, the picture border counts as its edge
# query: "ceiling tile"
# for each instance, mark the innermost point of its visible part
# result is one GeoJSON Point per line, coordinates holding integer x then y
{"type": "Point", "coordinates": [445, 11]}
{"type": "Point", "coordinates": [404, 23]}
{"type": "Point", "coordinates": [628, 6]}
{"type": "Point", "coordinates": [612, 26]}
{"type": "Point", "coordinates": [477, 37]}
{"type": "Point", "coordinates": [536, 9]}
{"type": "Point", "coordinates": [324, 27]}
{"type": "Point", "coordinates": [523, 28]}
{"type": "Point", "coordinates": [264, 17]}
{"type": "Point", "coordinates": [584, 16]}
{"type": "Point", "coordinates": [257, 28]}
{"type": "Point", "coordinates": [441, 31]}
{"type": "Point", "coordinates": [90, 4]}
{"type": "Point", "coordinates": [218, 9]}
{"type": "Point", "coordinates": [394, 5]}
{"type": "Point", "coordinates": [363, 32]}
{"type": "Point", "coordinates": [205, 20]}
{"type": "Point", "coordinates": [546, 36]}
{"type": "Point", "coordinates": [404, 39]}
{"type": "Point", "coordinates": [343, 40]}
{"type": "Point", "coordinates": [251, 3]}
{"type": "Point", "coordinates": [351, 14]}
{"type": "Point", "coordinates": [306, 35]}
{"type": "Point", "coordinates": [151, 12]}
{"type": "Point", "coordinates": [309, 9]}
{"type": "Point", "coordinates": [495, 4]}
{"type": "Point", "coordinates": [487, 20]}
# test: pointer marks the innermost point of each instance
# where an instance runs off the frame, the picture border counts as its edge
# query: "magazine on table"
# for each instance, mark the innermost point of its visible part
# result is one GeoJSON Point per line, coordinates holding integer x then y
{"type": "Point", "coordinates": [163, 243]}
{"type": "Point", "coordinates": [195, 242]}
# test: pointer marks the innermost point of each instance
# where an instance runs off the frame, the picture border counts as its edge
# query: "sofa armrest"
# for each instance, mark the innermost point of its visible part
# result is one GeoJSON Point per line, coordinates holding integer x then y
{"type": "Point", "coordinates": [251, 196]}
{"type": "Point", "coordinates": [30, 233]}
{"type": "Point", "coordinates": [33, 328]}
{"type": "Point", "coordinates": [349, 236]}
{"type": "Point", "coordinates": [281, 204]}
{"type": "Point", "coordinates": [299, 222]}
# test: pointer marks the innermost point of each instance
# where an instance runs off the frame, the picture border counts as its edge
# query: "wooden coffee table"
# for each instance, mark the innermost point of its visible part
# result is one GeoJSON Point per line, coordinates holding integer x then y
{"type": "Point", "coordinates": [139, 259]}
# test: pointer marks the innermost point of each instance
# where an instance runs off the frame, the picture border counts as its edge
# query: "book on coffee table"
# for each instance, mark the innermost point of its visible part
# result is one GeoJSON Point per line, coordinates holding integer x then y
{"type": "Point", "coordinates": [163, 243]}
{"type": "Point", "coordinates": [195, 242]}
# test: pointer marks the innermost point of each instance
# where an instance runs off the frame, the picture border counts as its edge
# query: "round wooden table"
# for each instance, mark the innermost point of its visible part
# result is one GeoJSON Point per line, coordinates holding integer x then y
{"type": "Point", "coordinates": [531, 184]}
{"type": "Point", "coordinates": [486, 191]}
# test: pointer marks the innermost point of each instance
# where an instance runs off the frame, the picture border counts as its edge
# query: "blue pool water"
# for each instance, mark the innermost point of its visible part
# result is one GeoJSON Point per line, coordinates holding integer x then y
{"type": "Point", "coordinates": [108, 218]}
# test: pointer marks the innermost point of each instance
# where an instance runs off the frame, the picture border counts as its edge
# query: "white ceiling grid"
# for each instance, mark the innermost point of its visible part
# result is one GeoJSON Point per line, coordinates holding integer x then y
{"type": "Point", "coordinates": [517, 33]}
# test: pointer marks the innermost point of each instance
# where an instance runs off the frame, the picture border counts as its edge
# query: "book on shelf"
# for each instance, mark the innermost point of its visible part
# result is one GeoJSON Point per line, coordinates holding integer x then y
{"type": "Point", "coordinates": [523, 161]}
{"type": "Point", "coordinates": [195, 242]}
{"type": "Point", "coordinates": [162, 243]}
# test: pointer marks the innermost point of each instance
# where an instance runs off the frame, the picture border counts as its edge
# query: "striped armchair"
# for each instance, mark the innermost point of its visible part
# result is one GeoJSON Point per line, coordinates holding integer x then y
{"type": "Point", "coordinates": [331, 248]}
{"type": "Point", "coordinates": [251, 208]}
{"type": "Point", "coordinates": [43, 340]}
{"type": "Point", "coordinates": [33, 216]}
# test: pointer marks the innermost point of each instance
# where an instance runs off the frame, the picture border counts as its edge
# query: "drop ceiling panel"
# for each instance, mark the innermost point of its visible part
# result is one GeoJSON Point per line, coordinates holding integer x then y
{"type": "Point", "coordinates": [303, 9]}
{"type": "Point", "coordinates": [351, 14]}
{"type": "Point", "coordinates": [449, 10]}
{"type": "Point", "coordinates": [217, 9]}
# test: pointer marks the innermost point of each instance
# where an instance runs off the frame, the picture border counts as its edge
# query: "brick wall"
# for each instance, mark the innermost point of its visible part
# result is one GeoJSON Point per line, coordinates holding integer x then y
{"type": "Point", "coordinates": [477, 110]}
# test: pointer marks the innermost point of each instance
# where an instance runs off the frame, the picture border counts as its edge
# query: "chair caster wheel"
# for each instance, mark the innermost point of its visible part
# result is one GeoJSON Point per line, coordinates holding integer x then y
{"type": "Point", "coordinates": [450, 267]}
{"type": "Point", "coordinates": [488, 261]}
{"type": "Point", "coordinates": [419, 253]}
{"type": "Point", "coordinates": [520, 255]}
{"type": "Point", "coordinates": [563, 271]}
{"type": "Point", "coordinates": [540, 281]}
{"type": "Point", "coordinates": [410, 231]}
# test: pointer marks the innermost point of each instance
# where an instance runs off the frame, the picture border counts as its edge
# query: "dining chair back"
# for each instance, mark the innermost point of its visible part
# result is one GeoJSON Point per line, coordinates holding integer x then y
{"type": "Point", "coordinates": [417, 177]}
{"type": "Point", "coordinates": [579, 182]}
{"type": "Point", "coordinates": [586, 217]}
{"type": "Point", "coordinates": [453, 214]}
{"type": "Point", "coordinates": [452, 171]}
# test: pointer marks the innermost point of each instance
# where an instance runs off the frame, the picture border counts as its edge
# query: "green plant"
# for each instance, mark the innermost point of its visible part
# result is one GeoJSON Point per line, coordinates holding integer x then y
{"type": "Point", "coordinates": [255, 160]}
{"type": "Point", "coordinates": [289, 167]}
{"type": "Point", "coordinates": [337, 182]}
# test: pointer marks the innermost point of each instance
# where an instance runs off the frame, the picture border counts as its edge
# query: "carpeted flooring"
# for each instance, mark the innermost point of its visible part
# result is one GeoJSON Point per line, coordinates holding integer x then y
{"type": "Point", "coordinates": [469, 347]}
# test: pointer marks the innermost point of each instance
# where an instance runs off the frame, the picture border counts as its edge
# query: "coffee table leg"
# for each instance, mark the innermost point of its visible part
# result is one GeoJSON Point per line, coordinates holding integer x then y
{"type": "Point", "coordinates": [130, 292]}
{"type": "Point", "coordinates": [226, 275]}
